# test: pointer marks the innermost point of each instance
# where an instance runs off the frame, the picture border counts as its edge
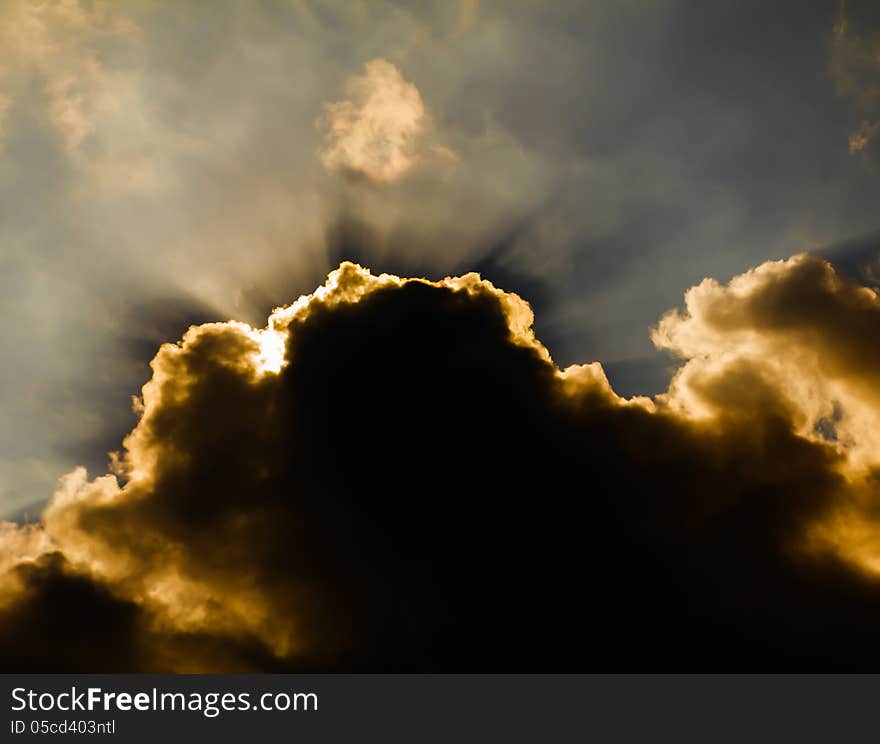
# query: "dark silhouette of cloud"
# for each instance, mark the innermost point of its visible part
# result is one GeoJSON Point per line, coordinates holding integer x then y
{"type": "Point", "coordinates": [394, 475]}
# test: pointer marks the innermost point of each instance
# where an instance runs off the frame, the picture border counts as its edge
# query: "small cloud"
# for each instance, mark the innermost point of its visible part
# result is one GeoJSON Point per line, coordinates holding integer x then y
{"type": "Point", "coordinates": [855, 66]}
{"type": "Point", "coordinates": [374, 131]}
{"type": "Point", "coordinates": [862, 137]}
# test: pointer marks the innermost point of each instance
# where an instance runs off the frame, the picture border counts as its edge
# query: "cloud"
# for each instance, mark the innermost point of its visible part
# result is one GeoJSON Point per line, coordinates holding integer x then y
{"type": "Point", "coordinates": [803, 329]}
{"type": "Point", "coordinates": [394, 475]}
{"type": "Point", "coordinates": [855, 66]}
{"type": "Point", "coordinates": [374, 133]}
{"type": "Point", "coordinates": [56, 45]}
{"type": "Point", "coordinates": [862, 137]}
{"type": "Point", "coordinates": [797, 339]}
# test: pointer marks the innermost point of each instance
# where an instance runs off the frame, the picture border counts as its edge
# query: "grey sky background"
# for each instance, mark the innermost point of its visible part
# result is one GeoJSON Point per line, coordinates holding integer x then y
{"type": "Point", "coordinates": [160, 165]}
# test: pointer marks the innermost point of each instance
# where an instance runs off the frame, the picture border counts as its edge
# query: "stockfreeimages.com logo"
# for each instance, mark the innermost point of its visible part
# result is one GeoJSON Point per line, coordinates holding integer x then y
{"type": "Point", "coordinates": [209, 704]}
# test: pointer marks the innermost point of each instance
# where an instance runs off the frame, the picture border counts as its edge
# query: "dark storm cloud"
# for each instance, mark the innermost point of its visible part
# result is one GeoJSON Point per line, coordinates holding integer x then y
{"type": "Point", "coordinates": [394, 475]}
{"type": "Point", "coordinates": [56, 602]}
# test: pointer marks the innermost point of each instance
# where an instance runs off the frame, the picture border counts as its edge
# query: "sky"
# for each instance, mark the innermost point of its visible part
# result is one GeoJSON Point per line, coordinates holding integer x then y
{"type": "Point", "coordinates": [168, 163]}
{"type": "Point", "coordinates": [672, 207]}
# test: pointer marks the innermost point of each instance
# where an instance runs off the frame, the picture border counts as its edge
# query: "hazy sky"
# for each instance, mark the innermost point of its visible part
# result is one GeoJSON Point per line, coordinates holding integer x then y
{"type": "Point", "coordinates": [168, 163]}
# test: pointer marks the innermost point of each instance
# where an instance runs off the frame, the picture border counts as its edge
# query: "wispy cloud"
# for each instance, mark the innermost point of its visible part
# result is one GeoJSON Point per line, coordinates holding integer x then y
{"type": "Point", "coordinates": [855, 64]}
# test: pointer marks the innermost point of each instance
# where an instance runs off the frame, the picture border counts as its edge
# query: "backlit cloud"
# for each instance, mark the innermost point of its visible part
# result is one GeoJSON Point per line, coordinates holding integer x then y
{"type": "Point", "coordinates": [393, 474]}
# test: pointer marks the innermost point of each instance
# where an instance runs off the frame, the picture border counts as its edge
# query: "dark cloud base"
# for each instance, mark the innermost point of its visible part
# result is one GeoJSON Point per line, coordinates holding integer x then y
{"type": "Point", "coordinates": [419, 491]}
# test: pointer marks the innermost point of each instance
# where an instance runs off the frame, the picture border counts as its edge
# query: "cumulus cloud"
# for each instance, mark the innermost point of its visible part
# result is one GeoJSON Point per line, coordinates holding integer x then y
{"type": "Point", "coordinates": [800, 327]}
{"type": "Point", "coordinates": [374, 132]}
{"type": "Point", "coordinates": [393, 474]}
{"type": "Point", "coordinates": [796, 339]}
